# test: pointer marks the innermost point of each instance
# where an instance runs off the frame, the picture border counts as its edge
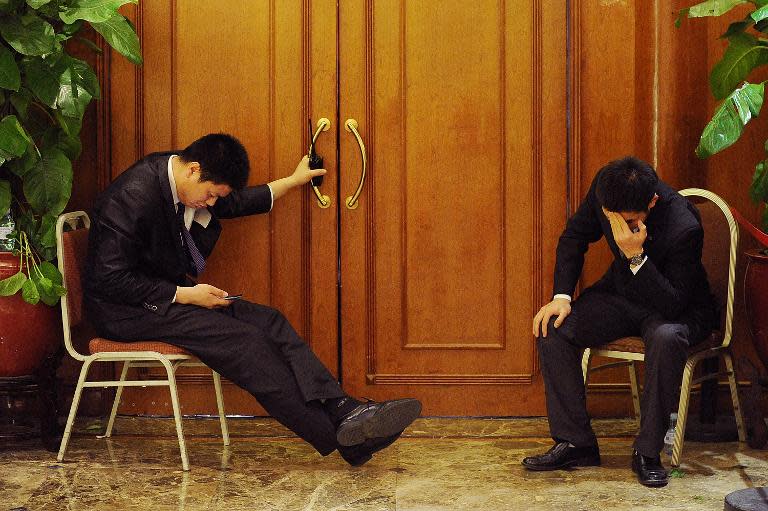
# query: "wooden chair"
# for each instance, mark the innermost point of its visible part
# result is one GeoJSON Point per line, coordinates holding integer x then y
{"type": "Point", "coordinates": [72, 240]}
{"type": "Point", "coordinates": [721, 237]}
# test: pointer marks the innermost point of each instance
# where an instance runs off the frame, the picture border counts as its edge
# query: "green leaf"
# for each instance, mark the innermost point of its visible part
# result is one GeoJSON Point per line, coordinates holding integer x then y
{"type": "Point", "coordinates": [12, 284]}
{"type": "Point", "coordinates": [713, 8]}
{"type": "Point", "coordinates": [47, 234]}
{"type": "Point", "coordinates": [21, 166]}
{"type": "Point", "coordinates": [744, 53]}
{"type": "Point", "coordinates": [727, 125]}
{"type": "Point", "coordinates": [758, 190]}
{"type": "Point", "coordinates": [682, 13]}
{"type": "Point", "coordinates": [28, 34]}
{"type": "Point", "coordinates": [5, 196]}
{"type": "Point", "coordinates": [760, 13]}
{"type": "Point", "coordinates": [29, 292]}
{"type": "Point", "coordinates": [20, 101]}
{"type": "Point", "coordinates": [50, 271]}
{"type": "Point", "coordinates": [36, 4]}
{"type": "Point", "coordinates": [737, 27]}
{"type": "Point", "coordinates": [10, 77]}
{"type": "Point", "coordinates": [70, 125]}
{"type": "Point", "coordinates": [13, 139]}
{"type": "Point", "coordinates": [66, 83]}
{"type": "Point", "coordinates": [48, 185]}
{"type": "Point", "coordinates": [7, 6]}
{"type": "Point", "coordinates": [121, 36]}
{"type": "Point", "coordinates": [94, 11]}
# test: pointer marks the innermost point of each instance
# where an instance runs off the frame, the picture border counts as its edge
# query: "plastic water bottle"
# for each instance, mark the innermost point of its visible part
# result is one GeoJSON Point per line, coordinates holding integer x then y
{"type": "Point", "coordinates": [7, 226]}
{"type": "Point", "coordinates": [669, 437]}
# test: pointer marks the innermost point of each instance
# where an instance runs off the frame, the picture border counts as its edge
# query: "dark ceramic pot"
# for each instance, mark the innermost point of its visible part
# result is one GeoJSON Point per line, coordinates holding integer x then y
{"type": "Point", "coordinates": [756, 300]}
{"type": "Point", "coordinates": [28, 333]}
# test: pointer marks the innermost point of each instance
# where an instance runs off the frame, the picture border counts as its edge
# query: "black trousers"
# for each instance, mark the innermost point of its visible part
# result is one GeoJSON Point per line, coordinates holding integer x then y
{"type": "Point", "coordinates": [254, 347]}
{"type": "Point", "coordinates": [598, 317]}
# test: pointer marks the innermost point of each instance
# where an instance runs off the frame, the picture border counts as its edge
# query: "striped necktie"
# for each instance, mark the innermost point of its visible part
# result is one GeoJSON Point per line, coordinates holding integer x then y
{"type": "Point", "coordinates": [198, 261]}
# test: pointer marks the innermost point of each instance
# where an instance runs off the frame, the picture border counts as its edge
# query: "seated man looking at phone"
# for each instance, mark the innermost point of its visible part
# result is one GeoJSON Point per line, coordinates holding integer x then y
{"type": "Point", "coordinates": [153, 228]}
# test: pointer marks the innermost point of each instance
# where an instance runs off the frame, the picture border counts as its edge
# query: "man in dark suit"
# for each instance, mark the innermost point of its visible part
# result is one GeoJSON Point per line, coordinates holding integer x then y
{"type": "Point", "coordinates": [152, 229]}
{"type": "Point", "coordinates": [656, 288]}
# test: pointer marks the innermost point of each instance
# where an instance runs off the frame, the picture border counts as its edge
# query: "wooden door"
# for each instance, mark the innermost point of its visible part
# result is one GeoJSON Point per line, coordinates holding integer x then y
{"type": "Point", "coordinates": [461, 109]}
{"type": "Point", "coordinates": [257, 70]}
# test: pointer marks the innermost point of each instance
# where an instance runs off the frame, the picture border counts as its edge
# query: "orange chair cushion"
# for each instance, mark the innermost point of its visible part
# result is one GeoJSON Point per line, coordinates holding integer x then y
{"type": "Point", "coordinates": [635, 344]}
{"type": "Point", "coordinates": [101, 345]}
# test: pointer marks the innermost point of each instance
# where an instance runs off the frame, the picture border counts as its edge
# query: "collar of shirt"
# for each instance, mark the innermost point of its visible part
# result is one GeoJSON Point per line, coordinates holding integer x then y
{"type": "Point", "coordinates": [200, 215]}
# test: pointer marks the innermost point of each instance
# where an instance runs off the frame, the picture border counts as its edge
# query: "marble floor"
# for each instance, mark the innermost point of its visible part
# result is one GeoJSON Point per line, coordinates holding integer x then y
{"type": "Point", "coordinates": [439, 464]}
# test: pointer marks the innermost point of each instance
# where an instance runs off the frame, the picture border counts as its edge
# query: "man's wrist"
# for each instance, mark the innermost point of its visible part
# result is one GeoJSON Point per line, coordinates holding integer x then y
{"type": "Point", "coordinates": [562, 296]}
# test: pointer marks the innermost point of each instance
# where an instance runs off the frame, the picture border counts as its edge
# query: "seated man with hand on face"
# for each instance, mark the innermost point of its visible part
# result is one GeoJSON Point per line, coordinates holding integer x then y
{"type": "Point", "coordinates": [655, 288]}
{"type": "Point", "coordinates": [152, 229]}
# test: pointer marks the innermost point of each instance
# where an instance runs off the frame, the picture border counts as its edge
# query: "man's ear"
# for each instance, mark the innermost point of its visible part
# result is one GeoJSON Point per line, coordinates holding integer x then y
{"type": "Point", "coordinates": [192, 168]}
{"type": "Point", "coordinates": [653, 201]}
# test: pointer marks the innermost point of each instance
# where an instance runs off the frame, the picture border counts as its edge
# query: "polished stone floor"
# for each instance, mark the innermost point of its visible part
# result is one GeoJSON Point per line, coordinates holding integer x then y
{"type": "Point", "coordinates": [439, 464]}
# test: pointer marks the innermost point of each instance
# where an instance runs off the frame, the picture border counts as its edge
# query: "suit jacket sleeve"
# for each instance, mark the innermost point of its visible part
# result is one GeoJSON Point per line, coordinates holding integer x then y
{"type": "Point", "coordinates": [116, 270]}
{"type": "Point", "coordinates": [250, 200]}
{"type": "Point", "coordinates": [582, 229]}
{"type": "Point", "coordinates": [670, 291]}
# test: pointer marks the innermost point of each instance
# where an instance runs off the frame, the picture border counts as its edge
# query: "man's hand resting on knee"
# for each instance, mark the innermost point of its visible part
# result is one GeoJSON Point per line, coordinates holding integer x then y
{"type": "Point", "coordinates": [559, 307]}
{"type": "Point", "coordinates": [203, 295]}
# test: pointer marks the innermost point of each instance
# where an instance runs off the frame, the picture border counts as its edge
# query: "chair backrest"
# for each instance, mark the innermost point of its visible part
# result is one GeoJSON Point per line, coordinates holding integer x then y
{"type": "Point", "coordinates": [721, 239]}
{"type": "Point", "coordinates": [72, 247]}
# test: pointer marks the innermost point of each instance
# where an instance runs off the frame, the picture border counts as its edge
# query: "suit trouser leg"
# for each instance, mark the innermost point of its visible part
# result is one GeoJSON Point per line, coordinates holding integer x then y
{"type": "Point", "coordinates": [248, 356]}
{"type": "Point", "coordinates": [596, 318]}
{"type": "Point", "coordinates": [665, 355]}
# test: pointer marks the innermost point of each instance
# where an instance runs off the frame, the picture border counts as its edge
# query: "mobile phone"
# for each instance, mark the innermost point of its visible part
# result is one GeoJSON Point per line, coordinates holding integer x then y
{"type": "Point", "coordinates": [233, 297]}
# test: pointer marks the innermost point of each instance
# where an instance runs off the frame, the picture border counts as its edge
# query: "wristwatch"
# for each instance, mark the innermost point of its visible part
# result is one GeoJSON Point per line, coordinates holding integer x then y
{"type": "Point", "coordinates": [636, 259]}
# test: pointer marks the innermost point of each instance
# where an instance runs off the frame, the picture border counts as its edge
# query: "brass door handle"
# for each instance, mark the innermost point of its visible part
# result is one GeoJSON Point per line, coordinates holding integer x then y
{"type": "Point", "coordinates": [351, 126]}
{"type": "Point", "coordinates": [323, 201]}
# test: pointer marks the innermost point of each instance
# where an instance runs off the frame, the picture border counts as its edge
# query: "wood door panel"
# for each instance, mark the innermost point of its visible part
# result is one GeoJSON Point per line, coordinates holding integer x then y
{"type": "Point", "coordinates": [257, 70]}
{"type": "Point", "coordinates": [441, 263]}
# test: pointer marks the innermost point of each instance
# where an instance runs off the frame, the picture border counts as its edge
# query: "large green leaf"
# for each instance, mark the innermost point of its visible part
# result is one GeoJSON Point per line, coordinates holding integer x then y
{"type": "Point", "coordinates": [94, 11]}
{"type": "Point", "coordinates": [10, 77]}
{"type": "Point", "coordinates": [65, 83]}
{"type": "Point", "coordinates": [758, 190]}
{"type": "Point", "coordinates": [713, 8]}
{"type": "Point", "coordinates": [12, 284]}
{"type": "Point", "coordinates": [760, 14]}
{"type": "Point", "coordinates": [36, 4]}
{"type": "Point", "coordinates": [744, 53]}
{"type": "Point", "coordinates": [120, 35]}
{"type": "Point", "coordinates": [5, 196]}
{"type": "Point", "coordinates": [49, 284]}
{"type": "Point", "coordinates": [727, 125]}
{"type": "Point", "coordinates": [29, 292]}
{"type": "Point", "coordinates": [47, 233]}
{"type": "Point", "coordinates": [21, 166]}
{"type": "Point", "coordinates": [48, 185]}
{"type": "Point", "coordinates": [28, 34]}
{"type": "Point", "coordinates": [13, 139]}
{"type": "Point", "coordinates": [737, 27]}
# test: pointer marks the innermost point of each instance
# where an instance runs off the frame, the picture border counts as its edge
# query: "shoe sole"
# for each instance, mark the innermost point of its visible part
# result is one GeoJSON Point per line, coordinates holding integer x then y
{"type": "Point", "coordinates": [391, 419]}
{"type": "Point", "coordinates": [580, 462]}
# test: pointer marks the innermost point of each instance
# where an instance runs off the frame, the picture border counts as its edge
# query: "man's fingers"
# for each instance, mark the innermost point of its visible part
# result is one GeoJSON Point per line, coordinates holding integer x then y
{"type": "Point", "coordinates": [545, 322]}
{"type": "Point", "coordinates": [560, 319]}
{"type": "Point", "coordinates": [537, 322]}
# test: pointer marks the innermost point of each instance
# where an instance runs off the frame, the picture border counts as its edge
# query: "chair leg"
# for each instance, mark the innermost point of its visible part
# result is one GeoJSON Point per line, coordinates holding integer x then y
{"type": "Point", "coordinates": [634, 388]}
{"type": "Point", "coordinates": [118, 395]}
{"type": "Point", "coordinates": [73, 409]}
{"type": "Point", "coordinates": [176, 413]}
{"type": "Point", "coordinates": [682, 411]}
{"type": "Point", "coordinates": [732, 383]}
{"type": "Point", "coordinates": [220, 404]}
{"type": "Point", "coordinates": [585, 360]}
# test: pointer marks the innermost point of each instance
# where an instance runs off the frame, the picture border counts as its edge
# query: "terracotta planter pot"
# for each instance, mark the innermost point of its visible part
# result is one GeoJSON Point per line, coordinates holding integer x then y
{"type": "Point", "coordinates": [756, 300]}
{"type": "Point", "coordinates": [28, 333]}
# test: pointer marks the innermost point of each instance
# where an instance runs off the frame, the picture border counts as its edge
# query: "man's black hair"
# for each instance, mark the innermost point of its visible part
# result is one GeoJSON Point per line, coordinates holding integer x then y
{"type": "Point", "coordinates": [222, 159]}
{"type": "Point", "coordinates": [627, 184]}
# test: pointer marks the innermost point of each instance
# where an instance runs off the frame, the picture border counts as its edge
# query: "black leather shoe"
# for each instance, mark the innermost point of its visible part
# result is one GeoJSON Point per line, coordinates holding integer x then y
{"type": "Point", "coordinates": [357, 455]}
{"type": "Point", "coordinates": [562, 455]}
{"type": "Point", "coordinates": [649, 470]}
{"type": "Point", "coordinates": [377, 420]}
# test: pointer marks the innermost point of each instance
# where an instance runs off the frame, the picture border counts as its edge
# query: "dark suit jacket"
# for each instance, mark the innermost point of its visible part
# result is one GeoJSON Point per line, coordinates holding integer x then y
{"type": "Point", "coordinates": [672, 281]}
{"type": "Point", "coordinates": [135, 257]}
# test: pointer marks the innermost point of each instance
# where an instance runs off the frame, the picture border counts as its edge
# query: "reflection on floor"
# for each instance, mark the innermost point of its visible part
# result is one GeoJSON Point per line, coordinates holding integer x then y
{"type": "Point", "coordinates": [440, 464]}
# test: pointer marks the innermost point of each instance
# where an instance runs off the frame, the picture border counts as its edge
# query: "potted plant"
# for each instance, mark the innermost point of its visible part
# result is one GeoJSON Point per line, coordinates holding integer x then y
{"type": "Point", "coordinates": [742, 101]}
{"type": "Point", "coordinates": [45, 93]}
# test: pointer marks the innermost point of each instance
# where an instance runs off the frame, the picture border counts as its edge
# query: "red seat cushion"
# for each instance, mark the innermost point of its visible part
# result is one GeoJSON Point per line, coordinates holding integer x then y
{"type": "Point", "coordinates": [635, 344]}
{"type": "Point", "coordinates": [101, 345]}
